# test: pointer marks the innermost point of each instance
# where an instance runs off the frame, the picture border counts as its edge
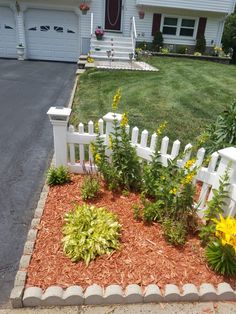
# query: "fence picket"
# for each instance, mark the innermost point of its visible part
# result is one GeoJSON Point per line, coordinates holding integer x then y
{"type": "Point", "coordinates": [81, 146]}
{"type": "Point", "coordinates": [187, 153]}
{"type": "Point", "coordinates": [154, 139]}
{"type": "Point", "coordinates": [144, 138]}
{"type": "Point", "coordinates": [164, 145]}
{"type": "Point", "coordinates": [72, 146]}
{"type": "Point", "coordinates": [134, 137]}
{"type": "Point", "coordinates": [101, 126]}
{"type": "Point", "coordinates": [127, 129]}
{"type": "Point", "coordinates": [90, 127]}
{"type": "Point", "coordinates": [175, 149]}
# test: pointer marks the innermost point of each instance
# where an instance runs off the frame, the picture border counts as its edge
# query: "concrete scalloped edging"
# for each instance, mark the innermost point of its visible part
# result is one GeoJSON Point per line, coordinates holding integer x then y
{"type": "Point", "coordinates": [94, 294]}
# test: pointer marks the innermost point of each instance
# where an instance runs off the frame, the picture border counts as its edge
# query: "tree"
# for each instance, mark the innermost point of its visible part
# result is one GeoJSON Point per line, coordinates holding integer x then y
{"type": "Point", "coordinates": [157, 41]}
{"type": "Point", "coordinates": [229, 35]}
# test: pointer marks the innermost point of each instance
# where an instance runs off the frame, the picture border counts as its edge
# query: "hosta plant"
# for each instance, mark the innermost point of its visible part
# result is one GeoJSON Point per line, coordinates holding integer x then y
{"type": "Point", "coordinates": [57, 176]}
{"type": "Point", "coordinates": [89, 232]}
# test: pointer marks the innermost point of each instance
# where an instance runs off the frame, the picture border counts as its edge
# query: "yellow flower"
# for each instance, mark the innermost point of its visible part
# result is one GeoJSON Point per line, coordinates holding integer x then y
{"type": "Point", "coordinates": [97, 157]}
{"type": "Point", "coordinates": [93, 148]}
{"type": "Point", "coordinates": [96, 127]}
{"type": "Point", "coordinates": [161, 128]}
{"type": "Point", "coordinates": [188, 178]}
{"type": "Point", "coordinates": [110, 142]}
{"type": "Point", "coordinates": [116, 100]}
{"type": "Point", "coordinates": [124, 120]}
{"type": "Point", "coordinates": [173, 191]}
{"type": "Point", "coordinates": [90, 60]}
{"type": "Point", "coordinates": [189, 163]}
{"type": "Point", "coordinates": [226, 230]}
{"type": "Point", "coordinates": [163, 178]}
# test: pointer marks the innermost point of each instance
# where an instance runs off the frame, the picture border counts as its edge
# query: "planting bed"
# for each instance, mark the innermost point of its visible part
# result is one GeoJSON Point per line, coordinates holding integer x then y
{"type": "Point", "coordinates": [144, 256]}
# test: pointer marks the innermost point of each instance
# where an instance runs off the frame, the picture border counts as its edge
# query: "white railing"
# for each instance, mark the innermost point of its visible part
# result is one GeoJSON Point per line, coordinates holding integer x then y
{"type": "Point", "coordinates": [73, 149]}
{"type": "Point", "coordinates": [133, 33]}
{"type": "Point", "coordinates": [91, 24]}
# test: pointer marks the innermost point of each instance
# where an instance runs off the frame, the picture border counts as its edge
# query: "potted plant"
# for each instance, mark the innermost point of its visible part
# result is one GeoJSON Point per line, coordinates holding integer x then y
{"type": "Point", "coordinates": [84, 7]}
{"type": "Point", "coordinates": [20, 52]}
{"type": "Point", "coordinates": [141, 14]}
{"type": "Point", "coordinates": [99, 32]}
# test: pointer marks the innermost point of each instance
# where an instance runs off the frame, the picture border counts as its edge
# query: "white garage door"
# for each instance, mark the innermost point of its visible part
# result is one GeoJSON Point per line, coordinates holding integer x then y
{"type": "Point", "coordinates": [52, 35]}
{"type": "Point", "coordinates": [7, 33]}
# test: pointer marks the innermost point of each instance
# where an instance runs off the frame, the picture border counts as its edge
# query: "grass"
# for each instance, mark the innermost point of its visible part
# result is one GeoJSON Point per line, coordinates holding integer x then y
{"type": "Point", "coordinates": [188, 94]}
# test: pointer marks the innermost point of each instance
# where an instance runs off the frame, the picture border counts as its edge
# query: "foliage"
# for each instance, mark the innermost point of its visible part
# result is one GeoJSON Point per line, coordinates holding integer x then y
{"type": "Point", "coordinates": [153, 211]}
{"type": "Point", "coordinates": [216, 205]}
{"type": "Point", "coordinates": [229, 35]}
{"type": "Point", "coordinates": [157, 41]}
{"type": "Point", "coordinates": [221, 133]}
{"type": "Point", "coordinates": [165, 51]}
{"type": "Point", "coordinates": [89, 232]}
{"type": "Point", "coordinates": [58, 176]}
{"type": "Point", "coordinates": [90, 187]}
{"type": "Point", "coordinates": [200, 44]}
{"type": "Point", "coordinates": [122, 169]}
{"type": "Point", "coordinates": [221, 258]}
{"type": "Point", "coordinates": [137, 211]}
{"type": "Point", "coordinates": [181, 50]}
{"type": "Point", "coordinates": [143, 45]}
{"type": "Point", "coordinates": [207, 233]}
{"type": "Point", "coordinates": [174, 232]}
{"type": "Point", "coordinates": [197, 54]}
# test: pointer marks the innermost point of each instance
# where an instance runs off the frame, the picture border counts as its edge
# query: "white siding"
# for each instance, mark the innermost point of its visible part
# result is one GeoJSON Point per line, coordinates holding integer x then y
{"type": "Point", "coordinates": [223, 6]}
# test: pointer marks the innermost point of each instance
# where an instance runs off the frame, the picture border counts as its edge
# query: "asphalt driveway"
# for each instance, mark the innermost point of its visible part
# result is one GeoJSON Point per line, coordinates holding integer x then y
{"type": "Point", "coordinates": [27, 90]}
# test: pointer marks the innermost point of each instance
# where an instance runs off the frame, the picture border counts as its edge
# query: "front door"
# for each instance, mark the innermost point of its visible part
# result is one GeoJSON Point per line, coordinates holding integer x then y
{"type": "Point", "coordinates": [113, 12]}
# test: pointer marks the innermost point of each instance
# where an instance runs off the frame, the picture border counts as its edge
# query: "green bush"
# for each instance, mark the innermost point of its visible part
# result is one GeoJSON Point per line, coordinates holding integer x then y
{"type": "Point", "coordinates": [207, 233]}
{"type": "Point", "coordinates": [157, 41]}
{"type": "Point", "coordinates": [181, 50]}
{"type": "Point", "coordinates": [200, 44]}
{"type": "Point", "coordinates": [174, 232]}
{"type": "Point", "coordinates": [57, 176]}
{"type": "Point", "coordinates": [221, 258]}
{"type": "Point", "coordinates": [90, 187]}
{"type": "Point", "coordinates": [89, 232]}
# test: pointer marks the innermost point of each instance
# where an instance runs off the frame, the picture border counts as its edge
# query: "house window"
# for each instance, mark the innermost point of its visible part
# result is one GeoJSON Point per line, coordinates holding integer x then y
{"type": "Point", "coordinates": [170, 26]}
{"type": "Point", "coordinates": [177, 26]}
{"type": "Point", "coordinates": [44, 28]}
{"type": "Point", "coordinates": [8, 27]}
{"type": "Point", "coordinates": [58, 29]}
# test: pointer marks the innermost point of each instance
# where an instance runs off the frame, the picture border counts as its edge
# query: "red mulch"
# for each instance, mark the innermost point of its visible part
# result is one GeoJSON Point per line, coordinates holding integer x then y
{"type": "Point", "coordinates": [144, 257]}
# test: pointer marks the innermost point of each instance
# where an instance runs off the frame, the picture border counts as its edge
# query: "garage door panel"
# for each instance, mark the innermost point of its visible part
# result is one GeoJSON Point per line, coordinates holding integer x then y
{"type": "Point", "coordinates": [52, 34]}
{"type": "Point", "coordinates": [7, 33]}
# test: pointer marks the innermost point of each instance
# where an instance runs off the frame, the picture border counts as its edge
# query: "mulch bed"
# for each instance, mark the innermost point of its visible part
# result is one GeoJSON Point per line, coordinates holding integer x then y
{"type": "Point", "coordinates": [144, 257]}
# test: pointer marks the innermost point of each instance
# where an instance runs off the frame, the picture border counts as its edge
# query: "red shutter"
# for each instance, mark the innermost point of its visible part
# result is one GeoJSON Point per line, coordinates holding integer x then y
{"type": "Point", "coordinates": [201, 27]}
{"type": "Point", "coordinates": [156, 23]}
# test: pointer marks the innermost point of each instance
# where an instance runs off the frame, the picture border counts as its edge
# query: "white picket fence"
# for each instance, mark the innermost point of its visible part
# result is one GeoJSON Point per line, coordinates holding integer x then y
{"type": "Point", "coordinates": [69, 143]}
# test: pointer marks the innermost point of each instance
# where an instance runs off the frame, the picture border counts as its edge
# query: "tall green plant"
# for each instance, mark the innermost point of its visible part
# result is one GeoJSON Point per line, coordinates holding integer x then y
{"type": "Point", "coordinates": [200, 44]}
{"type": "Point", "coordinates": [157, 41]}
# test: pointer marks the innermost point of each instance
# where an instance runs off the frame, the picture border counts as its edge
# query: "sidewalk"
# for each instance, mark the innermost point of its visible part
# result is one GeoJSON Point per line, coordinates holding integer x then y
{"type": "Point", "coordinates": [173, 308]}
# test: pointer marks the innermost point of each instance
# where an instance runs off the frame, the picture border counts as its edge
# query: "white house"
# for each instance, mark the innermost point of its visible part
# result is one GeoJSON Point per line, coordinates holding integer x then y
{"type": "Point", "coordinates": [57, 29]}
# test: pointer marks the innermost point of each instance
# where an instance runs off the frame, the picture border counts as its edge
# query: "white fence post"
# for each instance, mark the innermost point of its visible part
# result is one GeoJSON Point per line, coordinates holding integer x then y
{"type": "Point", "coordinates": [228, 158]}
{"type": "Point", "coordinates": [59, 118]}
{"type": "Point", "coordinates": [109, 119]}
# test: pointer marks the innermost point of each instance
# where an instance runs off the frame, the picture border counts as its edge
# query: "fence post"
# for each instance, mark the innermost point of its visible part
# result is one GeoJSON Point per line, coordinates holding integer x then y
{"type": "Point", "coordinates": [228, 158]}
{"type": "Point", "coordinates": [59, 117]}
{"type": "Point", "coordinates": [109, 119]}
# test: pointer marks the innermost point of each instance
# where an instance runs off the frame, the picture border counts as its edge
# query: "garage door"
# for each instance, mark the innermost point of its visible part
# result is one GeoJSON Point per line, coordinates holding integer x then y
{"type": "Point", "coordinates": [7, 33]}
{"type": "Point", "coordinates": [52, 35]}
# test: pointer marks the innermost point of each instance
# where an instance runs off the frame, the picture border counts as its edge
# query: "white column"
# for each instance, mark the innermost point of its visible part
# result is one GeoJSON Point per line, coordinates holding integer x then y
{"type": "Point", "coordinates": [59, 118]}
{"type": "Point", "coordinates": [109, 119]}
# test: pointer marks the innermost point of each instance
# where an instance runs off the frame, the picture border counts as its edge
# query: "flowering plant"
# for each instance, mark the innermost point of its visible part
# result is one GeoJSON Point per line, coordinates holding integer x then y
{"type": "Point", "coordinates": [226, 231]}
{"type": "Point", "coordinates": [99, 31]}
{"type": "Point", "coordinates": [84, 7]}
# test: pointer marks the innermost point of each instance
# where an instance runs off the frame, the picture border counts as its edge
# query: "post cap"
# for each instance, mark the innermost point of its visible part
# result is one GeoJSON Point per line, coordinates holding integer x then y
{"type": "Point", "coordinates": [59, 113]}
{"type": "Point", "coordinates": [110, 117]}
{"type": "Point", "coordinates": [228, 153]}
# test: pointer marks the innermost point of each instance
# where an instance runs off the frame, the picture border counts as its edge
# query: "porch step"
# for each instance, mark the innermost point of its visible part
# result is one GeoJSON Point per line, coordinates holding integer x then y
{"type": "Point", "coordinates": [119, 46]}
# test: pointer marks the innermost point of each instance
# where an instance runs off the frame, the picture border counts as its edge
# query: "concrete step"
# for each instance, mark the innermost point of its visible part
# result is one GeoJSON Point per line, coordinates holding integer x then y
{"type": "Point", "coordinates": [114, 53]}
{"type": "Point", "coordinates": [103, 57]}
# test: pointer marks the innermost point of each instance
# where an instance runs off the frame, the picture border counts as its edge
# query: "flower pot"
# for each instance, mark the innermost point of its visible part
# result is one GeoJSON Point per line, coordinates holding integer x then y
{"type": "Point", "coordinates": [99, 37]}
{"type": "Point", "coordinates": [20, 52]}
{"type": "Point", "coordinates": [84, 12]}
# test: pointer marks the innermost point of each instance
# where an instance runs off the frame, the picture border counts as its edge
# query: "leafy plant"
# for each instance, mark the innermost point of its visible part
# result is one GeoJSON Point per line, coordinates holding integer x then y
{"type": "Point", "coordinates": [137, 212]}
{"type": "Point", "coordinates": [89, 232]}
{"type": "Point", "coordinates": [57, 176]}
{"type": "Point", "coordinates": [122, 169]}
{"type": "Point", "coordinates": [174, 231]}
{"type": "Point", "coordinates": [90, 187]}
{"type": "Point", "coordinates": [157, 41]}
{"type": "Point", "coordinates": [181, 50]}
{"type": "Point", "coordinates": [216, 205]}
{"type": "Point", "coordinates": [207, 233]}
{"type": "Point", "coordinates": [221, 258]}
{"type": "Point", "coordinates": [200, 44]}
{"type": "Point", "coordinates": [229, 35]}
{"type": "Point", "coordinates": [221, 133]}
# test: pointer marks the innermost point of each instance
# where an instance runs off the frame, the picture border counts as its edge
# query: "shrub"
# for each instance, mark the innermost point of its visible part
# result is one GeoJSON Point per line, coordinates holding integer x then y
{"type": "Point", "coordinates": [174, 232]}
{"type": "Point", "coordinates": [90, 187]}
{"type": "Point", "coordinates": [57, 176]}
{"type": "Point", "coordinates": [89, 232]}
{"type": "Point", "coordinates": [157, 41]}
{"type": "Point", "coordinates": [181, 50]}
{"type": "Point", "coordinates": [200, 44]}
{"type": "Point", "coordinates": [207, 233]}
{"type": "Point", "coordinates": [221, 258]}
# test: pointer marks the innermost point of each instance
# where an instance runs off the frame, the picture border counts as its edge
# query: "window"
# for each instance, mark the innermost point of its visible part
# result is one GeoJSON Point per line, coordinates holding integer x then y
{"type": "Point", "coordinates": [32, 28]}
{"type": "Point", "coordinates": [44, 28]}
{"type": "Point", "coordinates": [170, 26]}
{"type": "Point", "coordinates": [58, 29]}
{"type": "Point", "coordinates": [8, 27]}
{"type": "Point", "coordinates": [70, 31]}
{"type": "Point", "coordinates": [178, 26]}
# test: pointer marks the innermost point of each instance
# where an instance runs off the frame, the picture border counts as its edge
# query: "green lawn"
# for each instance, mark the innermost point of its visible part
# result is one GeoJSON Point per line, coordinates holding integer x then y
{"type": "Point", "coordinates": [187, 93]}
